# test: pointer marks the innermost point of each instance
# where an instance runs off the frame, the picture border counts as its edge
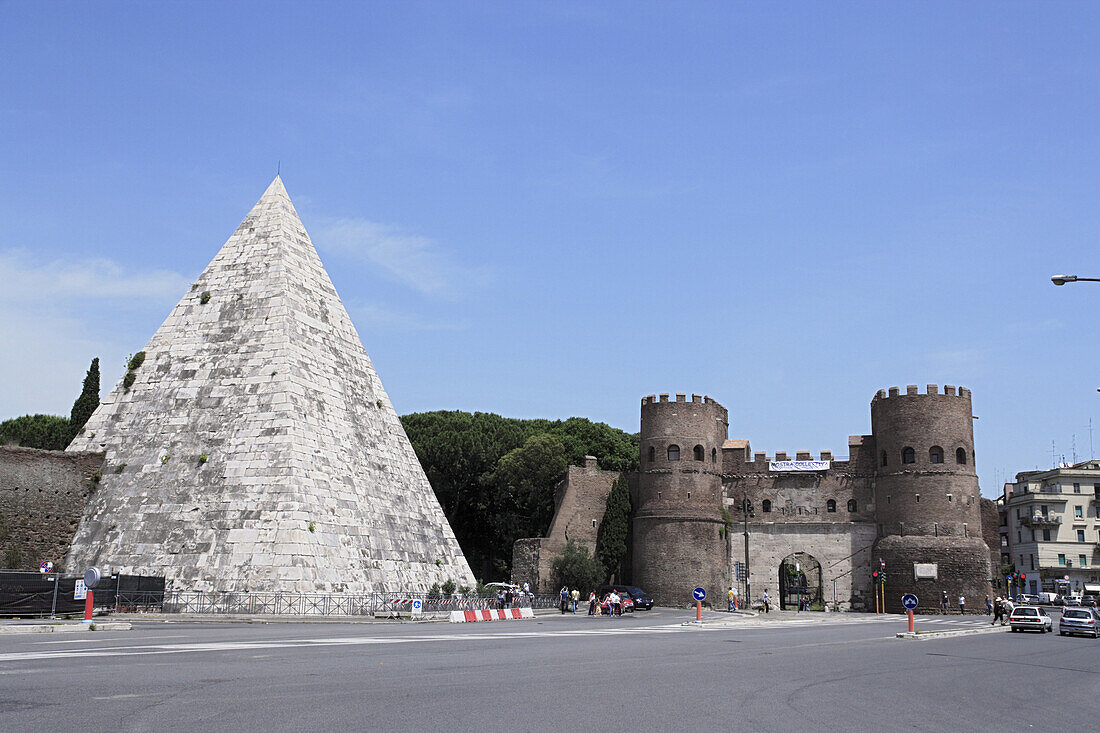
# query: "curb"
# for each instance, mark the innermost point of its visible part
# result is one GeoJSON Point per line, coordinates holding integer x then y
{"type": "Point", "coordinates": [923, 636]}
{"type": "Point", "coordinates": [64, 627]}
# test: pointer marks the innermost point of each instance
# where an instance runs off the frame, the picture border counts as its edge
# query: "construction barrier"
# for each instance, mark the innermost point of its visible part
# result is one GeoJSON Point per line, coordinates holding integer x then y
{"type": "Point", "coordinates": [490, 614]}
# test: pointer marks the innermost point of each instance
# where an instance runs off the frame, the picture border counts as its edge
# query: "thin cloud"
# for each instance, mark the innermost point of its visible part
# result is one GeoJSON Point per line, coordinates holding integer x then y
{"type": "Point", "coordinates": [26, 280]}
{"type": "Point", "coordinates": [377, 318]}
{"type": "Point", "coordinates": [411, 259]}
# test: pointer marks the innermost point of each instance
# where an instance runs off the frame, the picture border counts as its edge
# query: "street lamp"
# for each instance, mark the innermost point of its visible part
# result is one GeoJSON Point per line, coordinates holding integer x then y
{"type": "Point", "coordinates": [746, 512]}
{"type": "Point", "coordinates": [1063, 279]}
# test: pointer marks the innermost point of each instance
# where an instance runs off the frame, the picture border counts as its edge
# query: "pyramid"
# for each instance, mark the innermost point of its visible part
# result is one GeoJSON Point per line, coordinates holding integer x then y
{"type": "Point", "coordinates": [254, 448]}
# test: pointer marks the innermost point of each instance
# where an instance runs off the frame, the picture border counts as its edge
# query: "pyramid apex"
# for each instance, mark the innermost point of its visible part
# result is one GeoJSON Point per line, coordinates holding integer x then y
{"type": "Point", "coordinates": [276, 188]}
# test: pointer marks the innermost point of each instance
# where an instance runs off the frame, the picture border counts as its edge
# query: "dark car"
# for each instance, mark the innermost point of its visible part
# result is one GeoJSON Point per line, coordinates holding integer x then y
{"type": "Point", "coordinates": [641, 599]}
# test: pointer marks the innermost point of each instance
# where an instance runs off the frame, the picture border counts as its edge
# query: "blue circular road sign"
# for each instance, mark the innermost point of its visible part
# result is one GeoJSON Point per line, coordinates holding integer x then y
{"type": "Point", "coordinates": [699, 594]}
{"type": "Point", "coordinates": [909, 601]}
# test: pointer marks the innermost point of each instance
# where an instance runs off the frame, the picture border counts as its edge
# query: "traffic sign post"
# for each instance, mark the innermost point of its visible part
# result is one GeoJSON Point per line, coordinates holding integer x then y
{"type": "Point", "coordinates": [417, 607]}
{"type": "Point", "coordinates": [700, 595]}
{"type": "Point", "coordinates": [909, 601]}
{"type": "Point", "coordinates": [46, 568]}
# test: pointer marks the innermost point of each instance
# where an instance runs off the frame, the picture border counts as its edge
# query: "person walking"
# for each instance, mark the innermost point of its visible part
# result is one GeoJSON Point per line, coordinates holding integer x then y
{"type": "Point", "coordinates": [962, 604]}
{"type": "Point", "coordinates": [730, 597]}
{"type": "Point", "coordinates": [1007, 606]}
{"type": "Point", "coordinates": [592, 603]}
{"type": "Point", "coordinates": [943, 602]}
{"type": "Point", "coordinates": [563, 598]}
{"type": "Point", "coordinates": [998, 611]}
{"type": "Point", "coordinates": [616, 602]}
{"type": "Point", "coordinates": [988, 606]}
{"type": "Point", "coordinates": [575, 596]}
{"type": "Point", "coordinates": [765, 599]}
{"type": "Point", "coordinates": [735, 599]}
{"type": "Point", "coordinates": [508, 598]}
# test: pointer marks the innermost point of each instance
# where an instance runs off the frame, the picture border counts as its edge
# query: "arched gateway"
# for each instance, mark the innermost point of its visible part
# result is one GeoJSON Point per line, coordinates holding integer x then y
{"type": "Point", "coordinates": [799, 574]}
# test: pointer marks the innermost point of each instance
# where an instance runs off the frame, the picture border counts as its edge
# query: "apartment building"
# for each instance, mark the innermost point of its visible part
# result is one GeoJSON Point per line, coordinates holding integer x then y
{"type": "Point", "coordinates": [1050, 527]}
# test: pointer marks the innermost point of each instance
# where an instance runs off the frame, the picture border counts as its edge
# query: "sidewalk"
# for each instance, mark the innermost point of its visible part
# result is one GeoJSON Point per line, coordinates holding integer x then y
{"type": "Point", "coordinates": [48, 626]}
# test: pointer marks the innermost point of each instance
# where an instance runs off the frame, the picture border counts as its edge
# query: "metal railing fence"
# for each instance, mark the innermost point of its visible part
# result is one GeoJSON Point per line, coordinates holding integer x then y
{"type": "Point", "coordinates": [310, 604]}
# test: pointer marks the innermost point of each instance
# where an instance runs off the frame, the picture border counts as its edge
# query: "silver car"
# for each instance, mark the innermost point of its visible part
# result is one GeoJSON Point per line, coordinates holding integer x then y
{"type": "Point", "coordinates": [1079, 621]}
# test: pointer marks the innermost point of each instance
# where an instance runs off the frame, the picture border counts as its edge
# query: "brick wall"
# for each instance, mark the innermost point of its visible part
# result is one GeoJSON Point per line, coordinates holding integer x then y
{"type": "Point", "coordinates": [42, 497]}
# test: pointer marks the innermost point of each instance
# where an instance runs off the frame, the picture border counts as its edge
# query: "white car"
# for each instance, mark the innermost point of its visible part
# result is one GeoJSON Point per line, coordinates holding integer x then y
{"type": "Point", "coordinates": [1030, 617]}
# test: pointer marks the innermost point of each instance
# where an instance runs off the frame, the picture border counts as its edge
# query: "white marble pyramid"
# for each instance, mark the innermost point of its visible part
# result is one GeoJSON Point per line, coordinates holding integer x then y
{"type": "Point", "coordinates": [254, 448]}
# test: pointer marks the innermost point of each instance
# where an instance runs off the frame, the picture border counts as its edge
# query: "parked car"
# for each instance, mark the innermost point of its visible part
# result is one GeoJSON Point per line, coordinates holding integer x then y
{"type": "Point", "coordinates": [1030, 617]}
{"type": "Point", "coordinates": [624, 600]}
{"type": "Point", "coordinates": [1025, 599]}
{"type": "Point", "coordinates": [1079, 621]}
{"type": "Point", "coordinates": [640, 597]}
{"type": "Point", "coordinates": [1050, 599]}
{"type": "Point", "coordinates": [1073, 600]}
{"type": "Point", "coordinates": [1090, 601]}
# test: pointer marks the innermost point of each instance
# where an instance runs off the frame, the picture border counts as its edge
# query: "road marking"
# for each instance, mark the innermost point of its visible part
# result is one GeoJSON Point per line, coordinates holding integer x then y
{"type": "Point", "coordinates": [100, 641]}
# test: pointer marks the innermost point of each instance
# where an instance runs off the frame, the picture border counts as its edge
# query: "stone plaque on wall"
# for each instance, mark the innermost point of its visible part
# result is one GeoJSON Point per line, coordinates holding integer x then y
{"type": "Point", "coordinates": [924, 571]}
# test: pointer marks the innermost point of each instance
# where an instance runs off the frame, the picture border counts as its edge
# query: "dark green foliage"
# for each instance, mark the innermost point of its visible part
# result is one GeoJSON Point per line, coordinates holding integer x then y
{"type": "Point", "coordinates": [205, 297]}
{"type": "Point", "coordinates": [611, 540]}
{"type": "Point", "coordinates": [460, 452]}
{"type": "Point", "coordinates": [47, 432]}
{"type": "Point", "coordinates": [522, 487]}
{"type": "Point", "coordinates": [448, 587]}
{"type": "Point", "coordinates": [576, 568]}
{"type": "Point", "coordinates": [87, 402]}
{"type": "Point", "coordinates": [434, 591]}
{"type": "Point", "coordinates": [131, 370]}
{"type": "Point", "coordinates": [13, 557]}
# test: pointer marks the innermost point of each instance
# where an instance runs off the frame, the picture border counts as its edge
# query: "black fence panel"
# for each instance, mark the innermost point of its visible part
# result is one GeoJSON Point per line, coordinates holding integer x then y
{"type": "Point", "coordinates": [32, 594]}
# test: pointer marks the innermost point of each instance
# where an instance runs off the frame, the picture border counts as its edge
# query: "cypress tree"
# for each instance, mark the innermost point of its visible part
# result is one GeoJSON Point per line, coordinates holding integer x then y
{"type": "Point", "coordinates": [611, 540]}
{"type": "Point", "coordinates": [87, 402]}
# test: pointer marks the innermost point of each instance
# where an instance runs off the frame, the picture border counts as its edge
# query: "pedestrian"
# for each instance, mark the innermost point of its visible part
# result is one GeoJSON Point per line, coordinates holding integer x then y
{"type": "Point", "coordinates": [500, 598]}
{"type": "Point", "coordinates": [943, 602]}
{"type": "Point", "coordinates": [962, 604]}
{"type": "Point", "coordinates": [592, 603]}
{"type": "Point", "coordinates": [998, 611]}
{"type": "Point", "coordinates": [765, 600]}
{"type": "Point", "coordinates": [616, 602]}
{"type": "Point", "coordinates": [575, 596]}
{"type": "Point", "coordinates": [1007, 610]}
{"type": "Point", "coordinates": [508, 598]}
{"type": "Point", "coordinates": [563, 598]}
{"type": "Point", "coordinates": [526, 589]}
{"type": "Point", "coordinates": [731, 595]}
{"type": "Point", "coordinates": [735, 599]}
{"type": "Point", "coordinates": [988, 606]}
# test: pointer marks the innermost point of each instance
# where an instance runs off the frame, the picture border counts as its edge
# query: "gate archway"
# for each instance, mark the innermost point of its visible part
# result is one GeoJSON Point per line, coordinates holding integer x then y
{"type": "Point", "coordinates": [799, 574]}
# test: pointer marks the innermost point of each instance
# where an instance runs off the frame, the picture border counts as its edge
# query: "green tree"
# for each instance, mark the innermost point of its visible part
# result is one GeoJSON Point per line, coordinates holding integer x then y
{"type": "Point", "coordinates": [576, 568]}
{"type": "Point", "coordinates": [614, 527]}
{"type": "Point", "coordinates": [523, 488]}
{"type": "Point", "coordinates": [47, 432]}
{"type": "Point", "coordinates": [87, 402]}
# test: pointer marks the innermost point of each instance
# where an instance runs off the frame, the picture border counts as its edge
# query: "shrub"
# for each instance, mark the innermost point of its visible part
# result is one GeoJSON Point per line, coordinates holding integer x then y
{"type": "Point", "coordinates": [576, 568]}
{"type": "Point", "coordinates": [203, 458]}
{"type": "Point", "coordinates": [434, 592]}
{"type": "Point", "coordinates": [205, 297]}
{"type": "Point", "coordinates": [136, 361]}
{"type": "Point", "coordinates": [312, 527]}
{"type": "Point", "coordinates": [128, 381]}
{"type": "Point", "coordinates": [448, 587]}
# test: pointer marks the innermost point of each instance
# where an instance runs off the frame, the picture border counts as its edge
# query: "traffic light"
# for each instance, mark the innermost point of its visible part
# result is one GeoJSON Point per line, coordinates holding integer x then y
{"type": "Point", "coordinates": [1023, 577]}
{"type": "Point", "coordinates": [876, 577]}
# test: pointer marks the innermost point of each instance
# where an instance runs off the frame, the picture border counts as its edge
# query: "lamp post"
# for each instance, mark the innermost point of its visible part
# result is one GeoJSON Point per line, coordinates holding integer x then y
{"type": "Point", "coordinates": [1063, 279]}
{"type": "Point", "coordinates": [746, 508]}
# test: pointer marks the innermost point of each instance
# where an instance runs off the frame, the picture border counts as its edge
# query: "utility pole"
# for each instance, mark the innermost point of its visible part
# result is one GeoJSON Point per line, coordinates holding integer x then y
{"type": "Point", "coordinates": [748, 576]}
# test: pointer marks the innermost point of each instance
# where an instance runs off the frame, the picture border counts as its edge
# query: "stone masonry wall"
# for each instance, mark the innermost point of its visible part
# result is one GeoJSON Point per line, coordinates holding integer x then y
{"type": "Point", "coordinates": [580, 501]}
{"type": "Point", "coordinates": [42, 497]}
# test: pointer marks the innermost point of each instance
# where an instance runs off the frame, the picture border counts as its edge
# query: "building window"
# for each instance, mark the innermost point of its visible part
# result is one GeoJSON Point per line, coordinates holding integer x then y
{"type": "Point", "coordinates": [766, 505]}
{"type": "Point", "coordinates": [1043, 509]}
{"type": "Point", "coordinates": [830, 505]}
{"type": "Point", "coordinates": [674, 453]}
{"type": "Point", "coordinates": [1079, 512]}
{"type": "Point", "coordinates": [1080, 535]}
{"type": "Point", "coordinates": [1061, 559]}
{"type": "Point", "coordinates": [1081, 561]}
{"type": "Point", "coordinates": [908, 455]}
{"type": "Point", "coordinates": [935, 454]}
{"type": "Point", "coordinates": [960, 456]}
{"type": "Point", "coordinates": [852, 505]}
{"type": "Point", "coordinates": [1046, 535]}
{"type": "Point", "coordinates": [1019, 512]}
{"type": "Point", "coordinates": [1019, 537]}
{"type": "Point", "coordinates": [918, 498]}
{"type": "Point", "coordinates": [699, 454]}
{"type": "Point", "coordinates": [714, 455]}
{"type": "Point", "coordinates": [652, 454]}
{"type": "Point", "coordinates": [1032, 561]}
{"type": "Point", "coordinates": [1077, 488]}
{"type": "Point", "coordinates": [885, 460]}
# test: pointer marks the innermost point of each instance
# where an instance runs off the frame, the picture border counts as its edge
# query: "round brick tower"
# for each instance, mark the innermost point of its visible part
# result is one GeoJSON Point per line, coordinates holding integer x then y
{"type": "Point", "coordinates": [927, 500]}
{"type": "Point", "coordinates": [678, 542]}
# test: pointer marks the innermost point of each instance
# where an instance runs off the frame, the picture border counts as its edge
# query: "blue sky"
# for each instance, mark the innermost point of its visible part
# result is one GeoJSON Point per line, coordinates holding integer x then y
{"type": "Point", "coordinates": [553, 209]}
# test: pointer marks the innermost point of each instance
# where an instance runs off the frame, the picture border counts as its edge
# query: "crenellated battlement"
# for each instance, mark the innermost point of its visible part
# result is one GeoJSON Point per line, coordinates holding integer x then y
{"type": "Point", "coordinates": [680, 397]}
{"type": "Point", "coordinates": [931, 390]}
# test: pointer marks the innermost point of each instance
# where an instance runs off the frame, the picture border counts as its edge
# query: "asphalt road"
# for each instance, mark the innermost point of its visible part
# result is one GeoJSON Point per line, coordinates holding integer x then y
{"type": "Point", "coordinates": [646, 672]}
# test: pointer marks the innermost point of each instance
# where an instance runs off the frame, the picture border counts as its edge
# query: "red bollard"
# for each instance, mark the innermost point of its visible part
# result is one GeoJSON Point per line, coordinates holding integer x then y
{"type": "Point", "coordinates": [910, 621]}
{"type": "Point", "coordinates": [88, 606]}
{"type": "Point", "coordinates": [698, 612]}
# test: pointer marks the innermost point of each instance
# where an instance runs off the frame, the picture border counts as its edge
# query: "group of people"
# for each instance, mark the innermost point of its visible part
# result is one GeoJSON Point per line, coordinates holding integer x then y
{"type": "Point", "coordinates": [962, 603]}
{"type": "Point", "coordinates": [1002, 609]}
{"type": "Point", "coordinates": [611, 604]}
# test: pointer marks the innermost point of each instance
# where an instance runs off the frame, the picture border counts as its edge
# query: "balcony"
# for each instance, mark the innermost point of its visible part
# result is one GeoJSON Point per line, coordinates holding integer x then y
{"type": "Point", "coordinates": [1041, 520]}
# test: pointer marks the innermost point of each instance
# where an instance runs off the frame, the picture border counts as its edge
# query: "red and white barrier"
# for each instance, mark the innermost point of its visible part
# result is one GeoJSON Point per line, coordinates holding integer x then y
{"type": "Point", "coordinates": [490, 614]}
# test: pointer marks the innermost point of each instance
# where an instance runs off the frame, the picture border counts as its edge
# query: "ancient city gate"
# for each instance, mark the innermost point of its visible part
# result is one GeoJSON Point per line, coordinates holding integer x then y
{"type": "Point", "coordinates": [799, 573]}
